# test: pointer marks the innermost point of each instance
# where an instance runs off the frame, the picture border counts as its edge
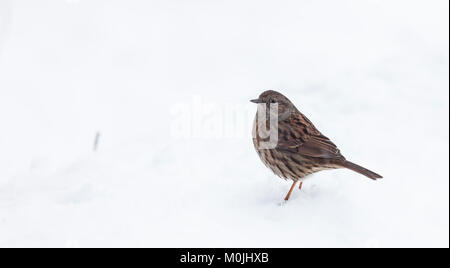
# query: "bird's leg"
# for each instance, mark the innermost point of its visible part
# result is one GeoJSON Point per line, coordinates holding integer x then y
{"type": "Point", "coordinates": [300, 186]}
{"type": "Point", "coordinates": [290, 191]}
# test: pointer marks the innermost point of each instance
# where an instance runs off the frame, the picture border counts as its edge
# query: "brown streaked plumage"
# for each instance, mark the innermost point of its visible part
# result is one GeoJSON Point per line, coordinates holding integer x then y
{"type": "Point", "coordinates": [300, 149]}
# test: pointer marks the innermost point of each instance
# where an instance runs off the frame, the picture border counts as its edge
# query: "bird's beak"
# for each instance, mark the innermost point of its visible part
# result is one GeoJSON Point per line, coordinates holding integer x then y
{"type": "Point", "coordinates": [256, 101]}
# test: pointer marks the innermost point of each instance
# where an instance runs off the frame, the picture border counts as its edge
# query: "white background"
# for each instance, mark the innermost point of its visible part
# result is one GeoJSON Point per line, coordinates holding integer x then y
{"type": "Point", "coordinates": [372, 76]}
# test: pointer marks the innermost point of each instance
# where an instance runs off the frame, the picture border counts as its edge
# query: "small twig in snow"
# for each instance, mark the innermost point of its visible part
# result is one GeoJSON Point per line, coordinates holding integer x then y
{"type": "Point", "coordinates": [96, 141]}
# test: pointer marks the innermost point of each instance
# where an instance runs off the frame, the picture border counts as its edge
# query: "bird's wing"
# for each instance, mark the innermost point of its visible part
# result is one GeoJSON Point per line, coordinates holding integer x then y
{"type": "Point", "coordinates": [319, 146]}
{"type": "Point", "coordinates": [303, 138]}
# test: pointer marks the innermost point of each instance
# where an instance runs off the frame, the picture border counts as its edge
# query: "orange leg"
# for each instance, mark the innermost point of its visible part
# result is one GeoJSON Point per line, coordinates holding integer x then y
{"type": "Point", "coordinates": [290, 191]}
{"type": "Point", "coordinates": [300, 186]}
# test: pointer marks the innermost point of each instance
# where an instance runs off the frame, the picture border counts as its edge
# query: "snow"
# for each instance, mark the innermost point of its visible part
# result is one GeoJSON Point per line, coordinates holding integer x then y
{"type": "Point", "coordinates": [167, 85]}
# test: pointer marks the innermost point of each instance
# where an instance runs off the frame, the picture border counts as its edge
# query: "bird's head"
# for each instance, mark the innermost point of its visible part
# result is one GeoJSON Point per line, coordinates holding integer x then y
{"type": "Point", "coordinates": [285, 106]}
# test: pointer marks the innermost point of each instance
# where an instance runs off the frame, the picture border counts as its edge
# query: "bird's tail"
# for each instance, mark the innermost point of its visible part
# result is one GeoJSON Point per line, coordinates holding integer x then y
{"type": "Point", "coordinates": [361, 170]}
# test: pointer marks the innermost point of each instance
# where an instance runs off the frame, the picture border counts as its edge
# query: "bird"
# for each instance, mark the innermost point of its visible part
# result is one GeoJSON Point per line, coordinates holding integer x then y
{"type": "Point", "coordinates": [290, 145]}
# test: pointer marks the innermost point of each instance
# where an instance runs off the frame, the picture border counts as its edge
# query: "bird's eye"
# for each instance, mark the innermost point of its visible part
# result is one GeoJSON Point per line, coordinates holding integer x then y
{"type": "Point", "coordinates": [272, 101]}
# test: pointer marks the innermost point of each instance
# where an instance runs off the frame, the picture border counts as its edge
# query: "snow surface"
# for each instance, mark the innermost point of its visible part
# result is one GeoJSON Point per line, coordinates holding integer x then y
{"type": "Point", "coordinates": [371, 75]}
